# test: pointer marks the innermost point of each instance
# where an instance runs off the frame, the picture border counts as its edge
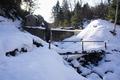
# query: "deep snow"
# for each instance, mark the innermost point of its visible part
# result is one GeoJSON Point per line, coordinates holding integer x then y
{"type": "Point", "coordinates": [97, 30]}
{"type": "Point", "coordinates": [36, 64]}
{"type": "Point", "coordinates": [40, 64]}
{"type": "Point", "coordinates": [44, 64]}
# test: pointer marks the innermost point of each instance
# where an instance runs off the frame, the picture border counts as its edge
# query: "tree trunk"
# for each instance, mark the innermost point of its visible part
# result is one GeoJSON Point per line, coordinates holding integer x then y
{"type": "Point", "coordinates": [116, 16]}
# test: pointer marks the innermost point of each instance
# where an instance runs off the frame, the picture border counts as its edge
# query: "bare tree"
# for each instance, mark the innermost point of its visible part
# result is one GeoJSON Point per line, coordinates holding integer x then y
{"type": "Point", "coordinates": [116, 17]}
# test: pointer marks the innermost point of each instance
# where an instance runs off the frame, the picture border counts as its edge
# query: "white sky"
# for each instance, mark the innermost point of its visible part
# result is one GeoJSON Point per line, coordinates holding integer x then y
{"type": "Point", "coordinates": [46, 7]}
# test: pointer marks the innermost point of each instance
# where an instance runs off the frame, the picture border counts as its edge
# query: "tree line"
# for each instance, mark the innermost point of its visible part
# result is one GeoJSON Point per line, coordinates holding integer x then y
{"type": "Point", "coordinates": [65, 16]}
{"type": "Point", "coordinates": [12, 8]}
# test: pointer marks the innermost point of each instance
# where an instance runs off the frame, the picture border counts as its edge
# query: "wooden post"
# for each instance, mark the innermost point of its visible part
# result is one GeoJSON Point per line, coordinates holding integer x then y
{"type": "Point", "coordinates": [105, 46]}
{"type": "Point", "coordinates": [49, 44]}
{"type": "Point", "coordinates": [82, 46]}
{"type": "Point", "coordinates": [50, 38]}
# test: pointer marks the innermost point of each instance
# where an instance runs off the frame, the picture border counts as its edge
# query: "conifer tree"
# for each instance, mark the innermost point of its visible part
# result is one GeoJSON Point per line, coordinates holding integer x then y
{"type": "Point", "coordinates": [77, 16]}
{"type": "Point", "coordinates": [67, 14]}
{"type": "Point", "coordinates": [112, 10]}
{"type": "Point", "coordinates": [57, 12]}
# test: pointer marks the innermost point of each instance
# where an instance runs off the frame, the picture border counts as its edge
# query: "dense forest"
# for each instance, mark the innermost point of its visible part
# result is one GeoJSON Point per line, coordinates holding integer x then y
{"type": "Point", "coordinates": [12, 8]}
{"type": "Point", "coordinates": [65, 16]}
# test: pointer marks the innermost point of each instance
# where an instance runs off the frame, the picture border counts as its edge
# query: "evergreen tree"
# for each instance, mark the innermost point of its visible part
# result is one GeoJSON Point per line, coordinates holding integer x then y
{"type": "Point", "coordinates": [101, 11]}
{"type": "Point", "coordinates": [86, 12]}
{"type": "Point", "coordinates": [112, 11]}
{"type": "Point", "coordinates": [57, 13]}
{"type": "Point", "coordinates": [31, 5]}
{"type": "Point", "coordinates": [77, 16]}
{"type": "Point", "coordinates": [67, 13]}
{"type": "Point", "coordinates": [61, 17]}
{"type": "Point", "coordinates": [12, 9]}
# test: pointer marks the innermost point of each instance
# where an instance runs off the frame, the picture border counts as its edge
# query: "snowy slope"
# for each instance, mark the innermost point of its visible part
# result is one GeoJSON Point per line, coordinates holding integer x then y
{"type": "Point", "coordinates": [97, 30]}
{"type": "Point", "coordinates": [40, 64]}
{"type": "Point", "coordinates": [36, 64]}
{"type": "Point", "coordinates": [12, 38]}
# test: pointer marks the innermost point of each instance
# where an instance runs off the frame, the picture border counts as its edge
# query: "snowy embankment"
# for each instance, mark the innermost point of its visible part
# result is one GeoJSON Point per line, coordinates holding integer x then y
{"type": "Point", "coordinates": [97, 30]}
{"type": "Point", "coordinates": [35, 64]}
{"type": "Point", "coordinates": [40, 64]}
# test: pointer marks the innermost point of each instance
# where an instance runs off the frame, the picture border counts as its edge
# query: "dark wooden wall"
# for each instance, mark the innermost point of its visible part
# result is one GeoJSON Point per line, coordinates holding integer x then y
{"type": "Point", "coordinates": [56, 35]}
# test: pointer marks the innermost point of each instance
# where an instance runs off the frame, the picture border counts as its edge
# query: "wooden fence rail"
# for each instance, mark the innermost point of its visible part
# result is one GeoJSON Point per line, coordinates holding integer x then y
{"type": "Point", "coordinates": [82, 42]}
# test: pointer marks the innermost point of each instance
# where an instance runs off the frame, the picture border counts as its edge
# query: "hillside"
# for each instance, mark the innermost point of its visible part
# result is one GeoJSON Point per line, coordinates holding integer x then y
{"type": "Point", "coordinates": [108, 67]}
{"type": "Point", "coordinates": [97, 30]}
{"type": "Point", "coordinates": [33, 60]}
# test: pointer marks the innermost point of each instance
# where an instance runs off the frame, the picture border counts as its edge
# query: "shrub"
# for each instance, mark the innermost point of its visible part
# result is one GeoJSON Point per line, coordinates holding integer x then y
{"type": "Point", "coordinates": [91, 57]}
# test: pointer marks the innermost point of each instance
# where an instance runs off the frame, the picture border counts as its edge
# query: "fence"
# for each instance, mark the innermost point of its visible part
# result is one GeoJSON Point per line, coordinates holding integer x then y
{"type": "Point", "coordinates": [82, 42]}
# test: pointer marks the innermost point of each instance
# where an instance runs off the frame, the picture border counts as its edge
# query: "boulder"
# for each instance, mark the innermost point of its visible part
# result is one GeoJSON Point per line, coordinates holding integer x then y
{"type": "Point", "coordinates": [33, 20]}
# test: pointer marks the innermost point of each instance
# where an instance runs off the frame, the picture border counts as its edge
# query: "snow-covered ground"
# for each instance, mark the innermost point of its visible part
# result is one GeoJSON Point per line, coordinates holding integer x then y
{"type": "Point", "coordinates": [97, 30]}
{"type": "Point", "coordinates": [40, 63]}
{"type": "Point", "coordinates": [36, 64]}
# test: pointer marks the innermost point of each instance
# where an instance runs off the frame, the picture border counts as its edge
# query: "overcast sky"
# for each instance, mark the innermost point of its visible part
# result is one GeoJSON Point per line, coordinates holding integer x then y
{"type": "Point", "coordinates": [46, 7]}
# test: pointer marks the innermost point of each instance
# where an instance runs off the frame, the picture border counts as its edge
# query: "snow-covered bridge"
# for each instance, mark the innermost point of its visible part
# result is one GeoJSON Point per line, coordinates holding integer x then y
{"type": "Point", "coordinates": [57, 34]}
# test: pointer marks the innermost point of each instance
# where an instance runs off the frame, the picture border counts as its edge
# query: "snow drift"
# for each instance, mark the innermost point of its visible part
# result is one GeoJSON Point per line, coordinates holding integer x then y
{"type": "Point", "coordinates": [36, 64]}
{"type": "Point", "coordinates": [97, 30]}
